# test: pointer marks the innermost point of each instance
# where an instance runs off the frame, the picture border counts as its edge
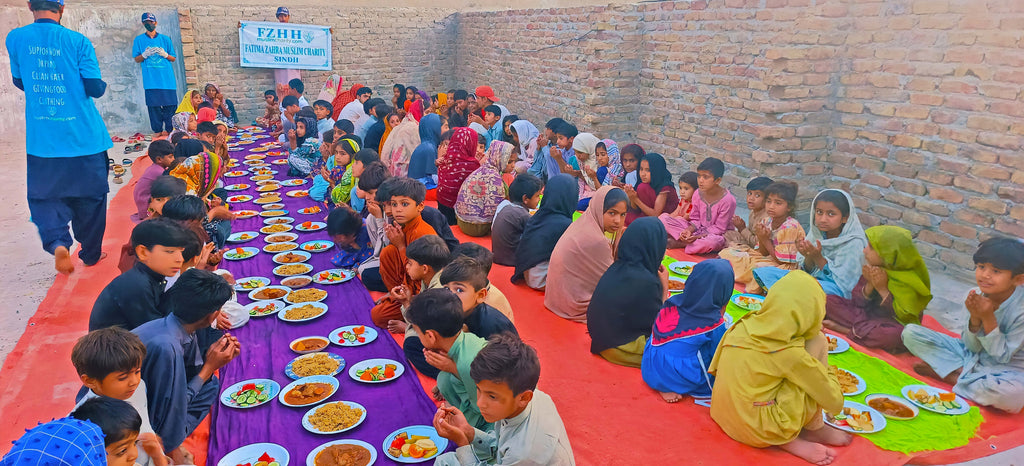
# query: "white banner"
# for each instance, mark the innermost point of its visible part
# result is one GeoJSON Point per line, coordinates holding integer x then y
{"type": "Point", "coordinates": [284, 45]}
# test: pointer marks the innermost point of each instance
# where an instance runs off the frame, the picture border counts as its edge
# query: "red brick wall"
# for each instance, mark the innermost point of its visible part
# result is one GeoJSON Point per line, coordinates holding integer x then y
{"type": "Point", "coordinates": [916, 107]}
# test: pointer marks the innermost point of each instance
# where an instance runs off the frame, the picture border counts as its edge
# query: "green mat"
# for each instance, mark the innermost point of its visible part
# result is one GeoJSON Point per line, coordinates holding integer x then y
{"type": "Point", "coordinates": [928, 431]}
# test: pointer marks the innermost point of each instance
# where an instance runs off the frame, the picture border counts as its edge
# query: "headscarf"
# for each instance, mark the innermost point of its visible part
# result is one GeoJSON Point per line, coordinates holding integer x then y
{"type": "Point", "coordinates": [614, 162]}
{"type": "Point", "coordinates": [909, 282]}
{"type": "Point", "coordinates": [456, 165]}
{"type": "Point", "coordinates": [660, 176]}
{"type": "Point", "coordinates": [416, 109]}
{"type": "Point", "coordinates": [442, 101]}
{"type": "Point", "coordinates": [343, 99]}
{"type": "Point", "coordinates": [200, 168]}
{"type": "Point", "coordinates": [387, 132]}
{"type": "Point", "coordinates": [791, 314]}
{"type": "Point", "coordinates": [421, 163]}
{"type": "Point", "coordinates": [580, 258]}
{"type": "Point", "coordinates": [629, 294]}
{"type": "Point", "coordinates": [484, 189]}
{"type": "Point", "coordinates": [844, 252]}
{"type": "Point", "coordinates": [545, 227]}
{"type": "Point", "coordinates": [397, 150]}
{"type": "Point", "coordinates": [207, 98]}
{"type": "Point", "coordinates": [527, 134]}
{"type": "Point", "coordinates": [60, 442]}
{"type": "Point", "coordinates": [186, 103]}
{"type": "Point", "coordinates": [586, 143]}
{"type": "Point", "coordinates": [311, 129]}
{"type": "Point", "coordinates": [331, 88]}
{"type": "Point", "coordinates": [180, 124]}
{"type": "Point", "coordinates": [698, 309]}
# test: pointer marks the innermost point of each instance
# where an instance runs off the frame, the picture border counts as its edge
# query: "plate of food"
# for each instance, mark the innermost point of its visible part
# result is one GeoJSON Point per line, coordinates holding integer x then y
{"type": "Point", "coordinates": [294, 182]}
{"type": "Point", "coordinates": [308, 391]}
{"type": "Point", "coordinates": [274, 206]}
{"type": "Point", "coordinates": [274, 248]}
{"type": "Point", "coordinates": [684, 268]}
{"type": "Point", "coordinates": [268, 187]}
{"type": "Point", "coordinates": [307, 295]}
{"type": "Point", "coordinates": [310, 226]}
{"type": "Point", "coordinates": [264, 308]}
{"type": "Point", "coordinates": [278, 153]}
{"type": "Point", "coordinates": [892, 407]}
{"type": "Point", "coordinates": [377, 370]}
{"type": "Point", "coordinates": [269, 293]}
{"type": "Point", "coordinates": [267, 198]}
{"type": "Point", "coordinates": [856, 418]}
{"type": "Point", "coordinates": [279, 161]}
{"type": "Point", "coordinates": [262, 148]}
{"type": "Point", "coordinates": [414, 444]}
{"type": "Point", "coordinates": [236, 187]}
{"type": "Point", "coordinates": [297, 193]}
{"type": "Point", "coordinates": [238, 254]}
{"type": "Point", "coordinates": [297, 281]}
{"type": "Point", "coordinates": [255, 156]}
{"type": "Point", "coordinates": [276, 228]}
{"type": "Point", "coordinates": [249, 393]}
{"type": "Point", "coordinates": [319, 245]}
{"type": "Point", "coordinates": [302, 312]}
{"type": "Point", "coordinates": [266, 182]}
{"type": "Point", "coordinates": [239, 198]}
{"type": "Point", "coordinates": [291, 257]}
{"type": "Point", "coordinates": [353, 335]}
{"type": "Point", "coordinates": [310, 210]}
{"type": "Point", "coordinates": [334, 417]}
{"type": "Point", "coordinates": [234, 148]}
{"type": "Point", "coordinates": [243, 214]}
{"type": "Point", "coordinates": [319, 363]}
{"type": "Point", "coordinates": [274, 213]}
{"type": "Point", "coordinates": [242, 236]}
{"type": "Point", "coordinates": [277, 220]}
{"type": "Point", "coordinates": [748, 302]}
{"type": "Point", "coordinates": [852, 384]}
{"type": "Point", "coordinates": [306, 345]}
{"type": "Point", "coordinates": [358, 453]}
{"type": "Point", "coordinates": [676, 286]}
{"type": "Point", "coordinates": [236, 173]}
{"type": "Point", "coordinates": [281, 238]}
{"type": "Point", "coordinates": [256, 454]}
{"type": "Point", "coordinates": [258, 178]}
{"type": "Point", "coordinates": [251, 283]}
{"type": "Point", "coordinates": [935, 400]}
{"type": "Point", "coordinates": [334, 276]}
{"type": "Point", "coordinates": [836, 344]}
{"type": "Point", "coordinates": [288, 270]}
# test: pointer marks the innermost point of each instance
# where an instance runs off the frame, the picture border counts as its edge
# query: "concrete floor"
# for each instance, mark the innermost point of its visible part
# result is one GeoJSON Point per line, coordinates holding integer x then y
{"type": "Point", "coordinates": [30, 271]}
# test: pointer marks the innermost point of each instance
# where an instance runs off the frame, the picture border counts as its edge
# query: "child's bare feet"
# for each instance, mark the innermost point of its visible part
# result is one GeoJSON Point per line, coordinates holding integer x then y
{"type": "Point", "coordinates": [814, 453]}
{"type": "Point", "coordinates": [436, 393]}
{"type": "Point", "coordinates": [835, 326]}
{"type": "Point", "coordinates": [828, 435]}
{"type": "Point", "coordinates": [924, 369]}
{"type": "Point", "coordinates": [671, 397]}
{"type": "Point", "coordinates": [62, 260]}
{"type": "Point", "coordinates": [182, 456]}
{"type": "Point", "coordinates": [675, 244]}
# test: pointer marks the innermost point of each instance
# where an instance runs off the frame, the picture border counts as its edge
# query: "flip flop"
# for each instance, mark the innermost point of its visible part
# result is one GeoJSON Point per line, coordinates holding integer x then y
{"type": "Point", "coordinates": [127, 149]}
{"type": "Point", "coordinates": [137, 147]}
{"type": "Point", "coordinates": [116, 139]}
{"type": "Point", "coordinates": [126, 162]}
{"type": "Point", "coordinates": [138, 136]}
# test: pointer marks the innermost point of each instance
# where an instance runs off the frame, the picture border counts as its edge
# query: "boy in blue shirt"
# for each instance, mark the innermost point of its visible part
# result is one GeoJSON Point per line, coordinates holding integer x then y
{"type": "Point", "coordinates": [152, 51]}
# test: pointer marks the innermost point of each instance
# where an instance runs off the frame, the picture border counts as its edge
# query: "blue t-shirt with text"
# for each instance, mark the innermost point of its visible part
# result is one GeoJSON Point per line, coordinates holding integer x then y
{"type": "Point", "coordinates": [157, 71]}
{"type": "Point", "coordinates": [60, 119]}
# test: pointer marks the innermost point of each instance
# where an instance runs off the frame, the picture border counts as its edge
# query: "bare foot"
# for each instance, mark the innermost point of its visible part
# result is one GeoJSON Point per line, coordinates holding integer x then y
{"type": "Point", "coordinates": [924, 369]}
{"type": "Point", "coordinates": [828, 435]}
{"type": "Point", "coordinates": [62, 260]}
{"type": "Point", "coordinates": [675, 244]}
{"type": "Point", "coordinates": [835, 326]}
{"type": "Point", "coordinates": [814, 453]}
{"type": "Point", "coordinates": [103, 255]}
{"type": "Point", "coordinates": [182, 456]}
{"type": "Point", "coordinates": [670, 397]}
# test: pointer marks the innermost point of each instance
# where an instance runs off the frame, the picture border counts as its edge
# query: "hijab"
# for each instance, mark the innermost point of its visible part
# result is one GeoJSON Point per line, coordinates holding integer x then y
{"type": "Point", "coordinates": [343, 99]}
{"type": "Point", "coordinates": [186, 103]}
{"type": "Point", "coordinates": [791, 314]}
{"type": "Point", "coordinates": [180, 124]}
{"type": "Point", "coordinates": [416, 109]}
{"type": "Point", "coordinates": [581, 257]}
{"type": "Point", "coordinates": [909, 282]}
{"type": "Point", "coordinates": [421, 163]}
{"type": "Point", "coordinates": [587, 143]}
{"type": "Point", "coordinates": [483, 190]}
{"type": "Point", "coordinates": [442, 101]}
{"type": "Point", "coordinates": [629, 294]}
{"type": "Point", "coordinates": [200, 168]}
{"type": "Point", "coordinates": [397, 150]}
{"type": "Point", "coordinates": [66, 441]}
{"type": "Point", "coordinates": [545, 227]}
{"type": "Point", "coordinates": [698, 309]}
{"type": "Point", "coordinates": [844, 252]}
{"type": "Point", "coordinates": [311, 129]}
{"type": "Point", "coordinates": [527, 134]}
{"type": "Point", "coordinates": [331, 88]}
{"type": "Point", "coordinates": [660, 176]}
{"type": "Point", "coordinates": [614, 162]}
{"type": "Point", "coordinates": [456, 165]}
{"type": "Point", "coordinates": [207, 98]}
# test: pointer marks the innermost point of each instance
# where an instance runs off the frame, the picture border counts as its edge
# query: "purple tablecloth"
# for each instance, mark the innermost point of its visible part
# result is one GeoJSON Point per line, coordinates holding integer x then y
{"type": "Point", "coordinates": [265, 352]}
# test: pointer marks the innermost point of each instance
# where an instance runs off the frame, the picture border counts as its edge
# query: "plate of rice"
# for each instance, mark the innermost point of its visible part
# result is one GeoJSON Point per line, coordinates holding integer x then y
{"type": "Point", "coordinates": [320, 363]}
{"type": "Point", "coordinates": [300, 268]}
{"type": "Point", "coordinates": [302, 312]}
{"type": "Point", "coordinates": [306, 295]}
{"type": "Point", "coordinates": [334, 417]}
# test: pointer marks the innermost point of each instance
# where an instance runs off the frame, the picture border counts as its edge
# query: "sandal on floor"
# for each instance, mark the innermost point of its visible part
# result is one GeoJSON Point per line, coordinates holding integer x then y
{"type": "Point", "coordinates": [137, 147]}
{"type": "Point", "coordinates": [116, 139]}
{"type": "Point", "coordinates": [126, 162]}
{"type": "Point", "coordinates": [127, 149]}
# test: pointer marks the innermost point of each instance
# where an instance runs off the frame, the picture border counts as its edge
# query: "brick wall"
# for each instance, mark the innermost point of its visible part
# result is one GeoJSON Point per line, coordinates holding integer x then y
{"type": "Point", "coordinates": [916, 107]}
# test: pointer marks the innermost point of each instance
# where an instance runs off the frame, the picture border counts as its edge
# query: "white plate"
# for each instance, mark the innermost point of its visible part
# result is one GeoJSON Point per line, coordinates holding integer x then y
{"type": "Point", "coordinates": [239, 198]}
{"type": "Point", "coordinates": [913, 408]}
{"type": "Point", "coordinates": [279, 256]}
{"type": "Point", "coordinates": [313, 226]}
{"type": "Point", "coordinates": [876, 418]}
{"type": "Point", "coordinates": [292, 375]}
{"type": "Point", "coordinates": [327, 245]}
{"type": "Point", "coordinates": [274, 213]}
{"type": "Point", "coordinates": [311, 459]}
{"type": "Point", "coordinates": [683, 268]}
{"type": "Point", "coordinates": [291, 247]}
{"type": "Point", "coordinates": [291, 345]}
{"type": "Point", "coordinates": [243, 214]}
{"type": "Point", "coordinates": [351, 404]}
{"type": "Point", "coordinates": [271, 390]}
{"type": "Point", "coordinates": [280, 315]}
{"type": "Point", "coordinates": [287, 299]}
{"type": "Point", "coordinates": [263, 281]}
{"type": "Point", "coordinates": [237, 237]}
{"type": "Point", "coordinates": [294, 182]}
{"type": "Point", "coordinates": [964, 407]}
{"type": "Point", "coordinates": [297, 193]}
{"type": "Point", "coordinates": [251, 453]}
{"type": "Point", "coordinates": [841, 344]}
{"type": "Point", "coordinates": [861, 385]}
{"type": "Point", "coordinates": [279, 161]}
{"type": "Point", "coordinates": [440, 442]}
{"type": "Point", "coordinates": [274, 206]}
{"type": "Point", "coordinates": [346, 275]}
{"type": "Point", "coordinates": [236, 173]}
{"type": "Point", "coordinates": [276, 220]}
{"type": "Point", "coordinates": [278, 270]}
{"type": "Point", "coordinates": [250, 251]}
{"type": "Point", "coordinates": [361, 365]}
{"type": "Point", "coordinates": [311, 210]}
{"type": "Point", "coordinates": [278, 305]}
{"type": "Point", "coordinates": [312, 379]}
{"type": "Point", "coordinates": [252, 294]}
{"type": "Point", "coordinates": [287, 227]}
{"type": "Point", "coordinates": [287, 237]}
{"type": "Point", "coordinates": [369, 335]}
{"type": "Point", "coordinates": [236, 187]}
{"type": "Point", "coordinates": [735, 300]}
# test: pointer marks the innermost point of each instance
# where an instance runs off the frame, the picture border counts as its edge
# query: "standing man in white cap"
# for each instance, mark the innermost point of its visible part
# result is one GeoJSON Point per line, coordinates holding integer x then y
{"type": "Point", "coordinates": [65, 137]}
{"type": "Point", "coordinates": [283, 76]}
{"type": "Point", "coordinates": [152, 51]}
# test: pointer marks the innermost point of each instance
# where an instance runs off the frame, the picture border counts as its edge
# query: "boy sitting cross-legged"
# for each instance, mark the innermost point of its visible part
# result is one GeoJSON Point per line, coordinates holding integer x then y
{"type": "Point", "coordinates": [527, 427]}
{"type": "Point", "coordinates": [426, 257]}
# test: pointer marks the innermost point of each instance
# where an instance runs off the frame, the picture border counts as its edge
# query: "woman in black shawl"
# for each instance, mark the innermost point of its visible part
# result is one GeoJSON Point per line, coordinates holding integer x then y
{"type": "Point", "coordinates": [542, 231]}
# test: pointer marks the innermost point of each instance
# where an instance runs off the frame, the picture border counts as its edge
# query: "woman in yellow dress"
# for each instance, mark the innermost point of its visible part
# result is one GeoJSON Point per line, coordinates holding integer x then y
{"type": "Point", "coordinates": [772, 377]}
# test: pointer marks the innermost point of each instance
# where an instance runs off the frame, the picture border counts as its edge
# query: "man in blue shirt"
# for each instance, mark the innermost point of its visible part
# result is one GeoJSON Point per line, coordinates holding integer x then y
{"type": "Point", "coordinates": [152, 51]}
{"type": "Point", "coordinates": [65, 137]}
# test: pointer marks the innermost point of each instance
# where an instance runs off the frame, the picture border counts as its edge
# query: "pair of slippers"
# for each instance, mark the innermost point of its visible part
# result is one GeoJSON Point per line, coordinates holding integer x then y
{"type": "Point", "coordinates": [133, 148]}
{"type": "Point", "coordinates": [137, 137]}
